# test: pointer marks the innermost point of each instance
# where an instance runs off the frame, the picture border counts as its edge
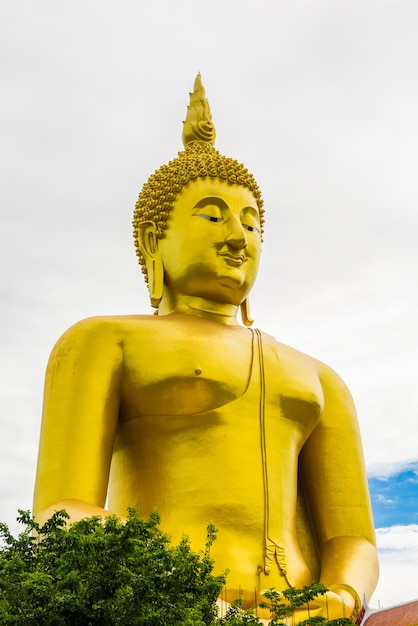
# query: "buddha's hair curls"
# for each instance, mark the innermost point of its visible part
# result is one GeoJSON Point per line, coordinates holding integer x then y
{"type": "Point", "coordinates": [198, 160]}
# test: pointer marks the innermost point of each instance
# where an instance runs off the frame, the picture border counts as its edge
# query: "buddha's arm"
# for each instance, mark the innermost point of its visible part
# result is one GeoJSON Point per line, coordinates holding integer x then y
{"type": "Point", "coordinates": [81, 406]}
{"type": "Point", "coordinates": [336, 490]}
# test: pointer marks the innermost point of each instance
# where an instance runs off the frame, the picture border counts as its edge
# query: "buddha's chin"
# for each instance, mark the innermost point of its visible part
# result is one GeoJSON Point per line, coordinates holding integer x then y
{"type": "Point", "coordinates": [229, 294]}
{"type": "Point", "coordinates": [225, 289]}
{"type": "Point", "coordinates": [236, 284]}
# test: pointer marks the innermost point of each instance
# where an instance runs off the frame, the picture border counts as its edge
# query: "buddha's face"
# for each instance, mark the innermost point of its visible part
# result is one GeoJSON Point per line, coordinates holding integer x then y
{"type": "Point", "coordinates": [211, 248]}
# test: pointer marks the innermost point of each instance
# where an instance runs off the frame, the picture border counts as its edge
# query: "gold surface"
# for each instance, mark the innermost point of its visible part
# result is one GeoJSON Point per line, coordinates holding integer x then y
{"type": "Point", "coordinates": [206, 420]}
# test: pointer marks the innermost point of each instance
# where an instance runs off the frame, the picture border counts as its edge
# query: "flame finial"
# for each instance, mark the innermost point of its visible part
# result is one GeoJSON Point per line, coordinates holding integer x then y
{"type": "Point", "coordinates": [198, 125]}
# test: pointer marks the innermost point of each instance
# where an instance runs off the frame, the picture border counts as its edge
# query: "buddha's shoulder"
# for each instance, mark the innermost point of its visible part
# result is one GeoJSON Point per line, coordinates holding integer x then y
{"type": "Point", "coordinates": [283, 351]}
{"type": "Point", "coordinates": [105, 329]}
{"type": "Point", "coordinates": [296, 360]}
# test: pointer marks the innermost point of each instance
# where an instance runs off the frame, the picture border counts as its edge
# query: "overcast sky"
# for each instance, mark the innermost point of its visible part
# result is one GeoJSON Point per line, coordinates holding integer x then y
{"type": "Point", "coordinates": [319, 99]}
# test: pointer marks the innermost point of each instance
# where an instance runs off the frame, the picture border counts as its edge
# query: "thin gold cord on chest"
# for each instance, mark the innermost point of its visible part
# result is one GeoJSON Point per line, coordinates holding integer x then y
{"type": "Point", "coordinates": [272, 548]}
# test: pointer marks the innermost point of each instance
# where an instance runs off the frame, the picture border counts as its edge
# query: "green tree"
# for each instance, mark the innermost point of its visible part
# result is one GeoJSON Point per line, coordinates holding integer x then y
{"type": "Point", "coordinates": [108, 572]}
{"type": "Point", "coordinates": [283, 603]}
{"type": "Point", "coordinates": [104, 572]}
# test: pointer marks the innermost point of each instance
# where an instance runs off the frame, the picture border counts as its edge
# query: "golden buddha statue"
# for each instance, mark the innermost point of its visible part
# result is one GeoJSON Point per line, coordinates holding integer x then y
{"type": "Point", "coordinates": [206, 420]}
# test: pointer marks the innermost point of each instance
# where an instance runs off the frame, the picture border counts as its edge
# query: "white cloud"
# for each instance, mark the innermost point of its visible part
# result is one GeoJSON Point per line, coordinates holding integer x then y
{"type": "Point", "coordinates": [398, 539]}
{"type": "Point", "coordinates": [398, 555]}
{"type": "Point", "coordinates": [385, 500]}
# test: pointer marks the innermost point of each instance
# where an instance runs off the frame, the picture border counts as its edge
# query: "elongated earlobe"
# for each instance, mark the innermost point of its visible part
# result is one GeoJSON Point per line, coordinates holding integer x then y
{"type": "Point", "coordinates": [148, 244]}
{"type": "Point", "coordinates": [245, 313]}
{"type": "Point", "coordinates": [156, 281]}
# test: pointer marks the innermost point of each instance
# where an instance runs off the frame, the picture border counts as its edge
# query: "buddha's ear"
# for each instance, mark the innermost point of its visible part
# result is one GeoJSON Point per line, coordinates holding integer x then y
{"type": "Point", "coordinates": [148, 245]}
{"type": "Point", "coordinates": [147, 239]}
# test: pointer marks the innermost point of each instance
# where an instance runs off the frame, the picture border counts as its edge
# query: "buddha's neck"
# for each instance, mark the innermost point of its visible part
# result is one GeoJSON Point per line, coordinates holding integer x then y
{"type": "Point", "coordinates": [221, 312]}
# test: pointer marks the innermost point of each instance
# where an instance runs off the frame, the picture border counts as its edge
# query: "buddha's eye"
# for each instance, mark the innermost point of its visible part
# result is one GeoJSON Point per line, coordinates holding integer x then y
{"type": "Point", "coordinates": [251, 228]}
{"type": "Point", "coordinates": [210, 218]}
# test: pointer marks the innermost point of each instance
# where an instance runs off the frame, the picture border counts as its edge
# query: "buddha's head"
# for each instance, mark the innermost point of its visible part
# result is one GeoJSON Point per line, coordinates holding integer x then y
{"type": "Point", "coordinates": [211, 186]}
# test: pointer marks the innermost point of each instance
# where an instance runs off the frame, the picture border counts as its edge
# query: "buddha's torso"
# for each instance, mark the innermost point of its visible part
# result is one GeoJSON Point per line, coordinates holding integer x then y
{"type": "Point", "coordinates": [202, 437]}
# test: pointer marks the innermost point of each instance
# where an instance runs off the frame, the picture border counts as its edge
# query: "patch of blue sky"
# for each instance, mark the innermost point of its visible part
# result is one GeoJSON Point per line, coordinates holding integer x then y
{"type": "Point", "coordinates": [395, 498]}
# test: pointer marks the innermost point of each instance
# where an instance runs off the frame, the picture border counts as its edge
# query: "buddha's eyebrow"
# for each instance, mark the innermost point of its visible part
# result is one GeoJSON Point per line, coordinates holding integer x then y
{"type": "Point", "coordinates": [252, 211]}
{"type": "Point", "coordinates": [221, 204]}
{"type": "Point", "coordinates": [211, 200]}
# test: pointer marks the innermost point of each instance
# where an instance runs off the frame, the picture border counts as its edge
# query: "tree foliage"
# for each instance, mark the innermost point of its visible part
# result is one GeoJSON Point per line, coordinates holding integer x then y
{"type": "Point", "coordinates": [104, 572]}
{"type": "Point", "coordinates": [283, 603]}
{"type": "Point", "coordinates": [107, 572]}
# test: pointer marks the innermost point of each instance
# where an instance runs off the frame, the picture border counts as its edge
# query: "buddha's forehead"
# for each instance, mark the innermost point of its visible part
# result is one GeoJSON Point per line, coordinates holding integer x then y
{"type": "Point", "coordinates": [200, 188]}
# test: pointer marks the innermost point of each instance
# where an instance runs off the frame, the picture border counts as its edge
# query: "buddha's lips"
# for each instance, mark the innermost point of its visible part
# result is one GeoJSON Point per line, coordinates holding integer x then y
{"type": "Point", "coordinates": [233, 259]}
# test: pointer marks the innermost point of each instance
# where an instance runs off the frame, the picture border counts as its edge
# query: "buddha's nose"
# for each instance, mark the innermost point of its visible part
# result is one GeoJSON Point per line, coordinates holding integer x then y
{"type": "Point", "coordinates": [236, 238]}
{"type": "Point", "coordinates": [236, 243]}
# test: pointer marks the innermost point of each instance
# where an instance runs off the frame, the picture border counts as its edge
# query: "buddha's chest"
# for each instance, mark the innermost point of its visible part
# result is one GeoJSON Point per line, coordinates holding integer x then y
{"type": "Point", "coordinates": [191, 371]}
{"type": "Point", "coordinates": [186, 371]}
